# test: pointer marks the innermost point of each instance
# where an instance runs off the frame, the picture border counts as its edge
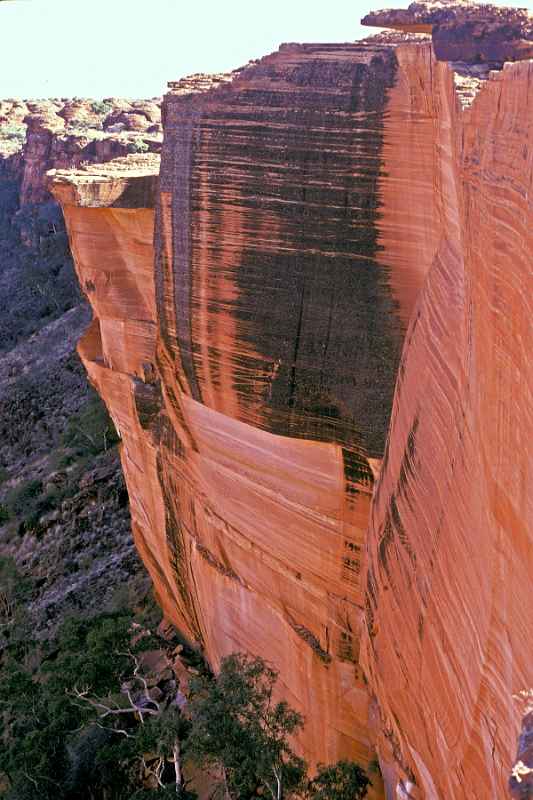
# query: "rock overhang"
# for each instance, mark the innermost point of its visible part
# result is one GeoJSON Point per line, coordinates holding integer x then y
{"type": "Point", "coordinates": [465, 31]}
{"type": "Point", "coordinates": [128, 182]}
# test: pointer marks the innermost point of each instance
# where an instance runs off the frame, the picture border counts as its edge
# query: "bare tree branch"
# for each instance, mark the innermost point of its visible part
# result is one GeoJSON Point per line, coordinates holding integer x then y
{"type": "Point", "coordinates": [177, 764]}
{"type": "Point", "coordinates": [115, 730]}
{"type": "Point", "coordinates": [104, 710]}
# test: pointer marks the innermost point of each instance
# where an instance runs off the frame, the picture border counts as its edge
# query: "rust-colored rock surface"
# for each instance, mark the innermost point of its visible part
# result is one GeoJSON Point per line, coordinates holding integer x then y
{"type": "Point", "coordinates": [311, 208]}
{"type": "Point", "coordinates": [253, 389]}
{"type": "Point", "coordinates": [449, 591]}
{"type": "Point", "coordinates": [465, 31]}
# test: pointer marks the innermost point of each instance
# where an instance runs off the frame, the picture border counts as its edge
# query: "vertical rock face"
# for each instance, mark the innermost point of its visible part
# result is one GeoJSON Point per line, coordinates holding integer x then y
{"type": "Point", "coordinates": [451, 555]}
{"type": "Point", "coordinates": [279, 341]}
{"type": "Point", "coordinates": [249, 361]}
{"type": "Point", "coordinates": [109, 212]}
{"type": "Point", "coordinates": [252, 380]}
{"type": "Point", "coordinates": [271, 302]}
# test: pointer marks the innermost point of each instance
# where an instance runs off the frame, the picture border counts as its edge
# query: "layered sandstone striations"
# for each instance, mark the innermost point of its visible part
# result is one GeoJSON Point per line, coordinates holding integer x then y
{"type": "Point", "coordinates": [252, 383]}
{"type": "Point", "coordinates": [109, 211]}
{"type": "Point", "coordinates": [310, 209]}
{"type": "Point", "coordinates": [449, 595]}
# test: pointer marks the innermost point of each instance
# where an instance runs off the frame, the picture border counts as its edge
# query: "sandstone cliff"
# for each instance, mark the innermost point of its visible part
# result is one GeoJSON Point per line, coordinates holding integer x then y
{"type": "Point", "coordinates": [252, 381]}
{"type": "Point", "coordinates": [63, 509]}
{"type": "Point", "coordinates": [311, 209]}
{"type": "Point", "coordinates": [449, 587]}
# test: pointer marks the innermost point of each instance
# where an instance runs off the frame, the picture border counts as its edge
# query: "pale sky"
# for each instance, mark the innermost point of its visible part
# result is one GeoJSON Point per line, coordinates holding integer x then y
{"type": "Point", "coordinates": [131, 48]}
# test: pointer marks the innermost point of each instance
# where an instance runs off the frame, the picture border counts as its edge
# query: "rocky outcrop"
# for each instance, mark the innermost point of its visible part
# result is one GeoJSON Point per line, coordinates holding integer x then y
{"type": "Point", "coordinates": [13, 109]}
{"type": "Point", "coordinates": [64, 134]}
{"type": "Point", "coordinates": [36, 136]}
{"type": "Point", "coordinates": [464, 31]}
{"type": "Point", "coordinates": [317, 212]}
{"type": "Point", "coordinates": [48, 147]}
{"type": "Point", "coordinates": [139, 117]}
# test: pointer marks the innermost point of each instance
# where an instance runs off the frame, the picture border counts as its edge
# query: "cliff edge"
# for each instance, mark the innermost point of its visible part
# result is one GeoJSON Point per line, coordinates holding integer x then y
{"type": "Point", "coordinates": [319, 314]}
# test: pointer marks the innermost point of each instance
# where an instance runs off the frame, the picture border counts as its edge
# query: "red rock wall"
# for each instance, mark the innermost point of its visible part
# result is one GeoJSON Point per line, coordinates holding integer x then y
{"type": "Point", "coordinates": [113, 253]}
{"type": "Point", "coordinates": [409, 225]}
{"type": "Point", "coordinates": [251, 375]}
{"type": "Point", "coordinates": [279, 342]}
{"type": "Point", "coordinates": [252, 391]}
{"type": "Point", "coordinates": [451, 551]}
{"type": "Point", "coordinates": [251, 371]}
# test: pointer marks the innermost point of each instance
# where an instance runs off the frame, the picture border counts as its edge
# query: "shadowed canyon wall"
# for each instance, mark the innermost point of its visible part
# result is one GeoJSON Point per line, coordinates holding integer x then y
{"type": "Point", "coordinates": [249, 361]}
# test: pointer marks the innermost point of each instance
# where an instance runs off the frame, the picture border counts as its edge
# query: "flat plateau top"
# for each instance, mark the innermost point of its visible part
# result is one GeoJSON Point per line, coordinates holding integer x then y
{"type": "Point", "coordinates": [127, 182]}
{"type": "Point", "coordinates": [134, 165]}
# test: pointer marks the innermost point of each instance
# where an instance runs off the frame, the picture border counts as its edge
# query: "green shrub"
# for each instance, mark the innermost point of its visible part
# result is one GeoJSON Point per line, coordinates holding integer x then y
{"type": "Point", "coordinates": [78, 719]}
{"type": "Point", "coordinates": [88, 130]}
{"type": "Point", "coordinates": [5, 516]}
{"type": "Point", "coordinates": [28, 502]}
{"type": "Point", "coordinates": [22, 499]}
{"type": "Point", "coordinates": [13, 130]}
{"type": "Point", "coordinates": [39, 719]}
{"type": "Point", "coordinates": [101, 107]}
{"type": "Point", "coordinates": [91, 430]}
{"type": "Point", "coordinates": [238, 728]}
{"type": "Point", "coordinates": [137, 146]}
{"type": "Point", "coordinates": [344, 780]}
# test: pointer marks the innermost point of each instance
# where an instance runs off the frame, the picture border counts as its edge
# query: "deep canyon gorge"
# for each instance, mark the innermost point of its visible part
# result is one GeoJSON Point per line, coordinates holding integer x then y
{"type": "Point", "coordinates": [312, 330]}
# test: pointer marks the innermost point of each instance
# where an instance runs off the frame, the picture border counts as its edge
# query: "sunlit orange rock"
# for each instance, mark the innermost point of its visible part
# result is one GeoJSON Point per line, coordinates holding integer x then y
{"type": "Point", "coordinates": [310, 210]}
{"type": "Point", "coordinates": [252, 381]}
{"type": "Point", "coordinates": [450, 596]}
{"type": "Point", "coordinates": [464, 30]}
